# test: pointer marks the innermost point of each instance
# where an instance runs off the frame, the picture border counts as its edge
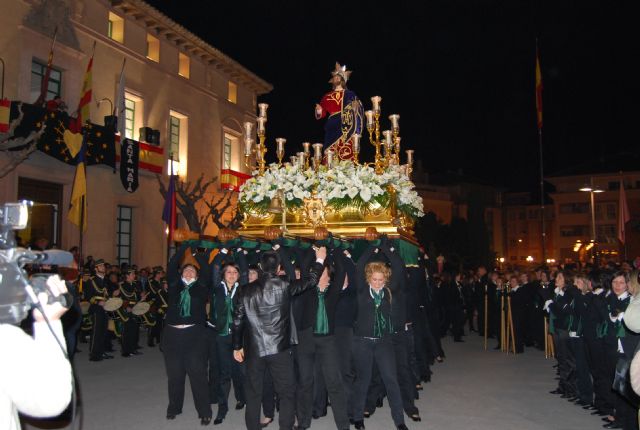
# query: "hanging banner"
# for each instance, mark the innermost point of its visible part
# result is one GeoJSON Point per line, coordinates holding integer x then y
{"type": "Point", "coordinates": [129, 155]}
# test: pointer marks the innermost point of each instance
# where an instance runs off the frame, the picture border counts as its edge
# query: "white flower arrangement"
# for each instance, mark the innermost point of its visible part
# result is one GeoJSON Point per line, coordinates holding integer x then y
{"type": "Point", "coordinates": [344, 184]}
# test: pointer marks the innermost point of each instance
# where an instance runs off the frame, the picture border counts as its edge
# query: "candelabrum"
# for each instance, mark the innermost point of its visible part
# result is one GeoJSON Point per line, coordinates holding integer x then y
{"type": "Point", "coordinates": [391, 142]}
{"type": "Point", "coordinates": [259, 149]}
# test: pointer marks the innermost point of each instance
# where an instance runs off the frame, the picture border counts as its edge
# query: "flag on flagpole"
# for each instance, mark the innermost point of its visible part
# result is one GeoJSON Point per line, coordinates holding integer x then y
{"type": "Point", "coordinates": [84, 105]}
{"type": "Point", "coordinates": [120, 110]}
{"type": "Point", "coordinates": [78, 210]}
{"type": "Point", "coordinates": [623, 213]}
{"type": "Point", "coordinates": [538, 90]}
{"type": "Point", "coordinates": [169, 210]}
{"type": "Point", "coordinates": [44, 86]}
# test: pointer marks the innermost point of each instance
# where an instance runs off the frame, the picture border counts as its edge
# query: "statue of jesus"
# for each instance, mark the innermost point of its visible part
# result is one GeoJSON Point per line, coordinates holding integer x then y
{"type": "Point", "coordinates": [344, 114]}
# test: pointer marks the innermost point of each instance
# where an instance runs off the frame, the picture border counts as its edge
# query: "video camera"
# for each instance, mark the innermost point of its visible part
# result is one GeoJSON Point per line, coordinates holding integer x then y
{"type": "Point", "coordinates": [15, 300]}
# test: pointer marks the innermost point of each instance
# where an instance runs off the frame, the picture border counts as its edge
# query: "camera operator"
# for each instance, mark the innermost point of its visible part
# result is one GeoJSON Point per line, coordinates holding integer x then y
{"type": "Point", "coordinates": [35, 375]}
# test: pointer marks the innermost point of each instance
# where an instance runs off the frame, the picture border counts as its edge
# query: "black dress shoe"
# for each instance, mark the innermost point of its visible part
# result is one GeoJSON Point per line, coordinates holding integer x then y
{"type": "Point", "coordinates": [590, 408]}
{"type": "Point", "coordinates": [612, 425]}
{"type": "Point", "coordinates": [218, 421]}
{"type": "Point", "coordinates": [402, 427]}
{"type": "Point", "coordinates": [239, 405]}
{"type": "Point", "coordinates": [136, 352]}
{"type": "Point", "coordinates": [264, 424]}
{"type": "Point", "coordinates": [95, 359]}
{"type": "Point", "coordinates": [205, 421]}
{"type": "Point", "coordinates": [171, 417]}
{"type": "Point", "coordinates": [359, 425]}
{"type": "Point", "coordinates": [107, 356]}
{"type": "Point", "coordinates": [127, 354]}
{"type": "Point", "coordinates": [556, 391]}
{"type": "Point", "coordinates": [600, 413]}
{"type": "Point", "coordinates": [416, 418]}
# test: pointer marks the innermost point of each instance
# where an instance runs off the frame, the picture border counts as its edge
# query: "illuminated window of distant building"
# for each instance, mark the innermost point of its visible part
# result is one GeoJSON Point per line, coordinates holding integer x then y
{"type": "Point", "coordinates": [232, 92]}
{"type": "Point", "coordinates": [153, 48]}
{"type": "Point", "coordinates": [54, 86]}
{"type": "Point", "coordinates": [183, 65]}
{"type": "Point", "coordinates": [115, 29]}
{"type": "Point", "coordinates": [124, 234]}
{"type": "Point", "coordinates": [174, 137]}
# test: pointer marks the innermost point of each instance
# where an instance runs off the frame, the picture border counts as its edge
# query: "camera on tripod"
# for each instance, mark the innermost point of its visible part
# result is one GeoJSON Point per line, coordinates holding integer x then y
{"type": "Point", "coordinates": [15, 300]}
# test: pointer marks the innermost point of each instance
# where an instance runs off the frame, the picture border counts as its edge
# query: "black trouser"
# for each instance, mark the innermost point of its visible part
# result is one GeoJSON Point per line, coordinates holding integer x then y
{"type": "Point", "coordinates": [407, 383]}
{"type": "Point", "coordinates": [583, 378]}
{"type": "Point", "coordinates": [566, 362]}
{"type": "Point", "coordinates": [611, 360]}
{"type": "Point", "coordinates": [212, 355]}
{"type": "Point", "coordinates": [519, 318]}
{"type": "Point", "coordinates": [268, 395]}
{"type": "Point", "coordinates": [130, 335]}
{"type": "Point", "coordinates": [155, 331]}
{"type": "Point", "coordinates": [185, 353]}
{"type": "Point", "coordinates": [421, 328]}
{"type": "Point", "coordinates": [229, 369]}
{"type": "Point", "coordinates": [320, 396]}
{"type": "Point", "coordinates": [344, 343]}
{"type": "Point", "coordinates": [365, 350]}
{"type": "Point", "coordinates": [280, 366]}
{"type": "Point", "coordinates": [322, 350]}
{"type": "Point", "coordinates": [98, 332]}
{"type": "Point", "coordinates": [455, 318]}
{"type": "Point", "coordinates": [598, 369]}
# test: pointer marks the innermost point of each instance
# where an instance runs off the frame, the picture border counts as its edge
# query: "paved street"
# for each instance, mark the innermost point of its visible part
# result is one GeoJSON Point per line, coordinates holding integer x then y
{"type": "Point", "coordinates": [473, 390]}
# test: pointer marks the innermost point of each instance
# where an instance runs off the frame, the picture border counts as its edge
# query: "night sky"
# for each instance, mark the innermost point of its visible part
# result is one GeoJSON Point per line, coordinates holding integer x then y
{"type": "Point", "coordinates": [459, 72]}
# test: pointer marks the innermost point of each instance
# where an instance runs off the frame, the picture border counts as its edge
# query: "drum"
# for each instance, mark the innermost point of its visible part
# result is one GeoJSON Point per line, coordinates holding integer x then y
{"type": "Point", "coordinates": [113, 304]}
{"type": "Point", "coordinates": [141, 310]}
{"type": "Point", "coordinates": [84, 306]}
{"type": "Point", "coordinates": [113, 308]}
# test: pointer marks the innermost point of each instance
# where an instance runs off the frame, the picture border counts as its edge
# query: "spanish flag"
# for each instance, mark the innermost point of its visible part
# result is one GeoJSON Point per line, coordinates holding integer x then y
{"type": "Point", "coordinates": [84, 105]}
{"type": "Point", "coordinates": [538, 90]}
{"type": "Point", "coordinates": [78, 209]}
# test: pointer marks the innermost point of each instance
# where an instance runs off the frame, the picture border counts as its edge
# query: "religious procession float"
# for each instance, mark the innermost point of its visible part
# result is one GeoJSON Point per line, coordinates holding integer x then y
{"type": "Point", "coordinates": [325, 195]}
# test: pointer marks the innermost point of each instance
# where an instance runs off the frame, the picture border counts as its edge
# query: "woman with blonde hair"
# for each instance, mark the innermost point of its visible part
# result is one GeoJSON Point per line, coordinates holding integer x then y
{"type": "Point", "coordinates": [376, 285]}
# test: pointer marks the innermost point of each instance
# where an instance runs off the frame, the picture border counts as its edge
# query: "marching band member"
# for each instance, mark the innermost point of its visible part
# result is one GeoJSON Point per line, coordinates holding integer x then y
{"type": "Point", "coordinates": [130, 326]}
{"type": "Point", "coordinates": [96, 293]}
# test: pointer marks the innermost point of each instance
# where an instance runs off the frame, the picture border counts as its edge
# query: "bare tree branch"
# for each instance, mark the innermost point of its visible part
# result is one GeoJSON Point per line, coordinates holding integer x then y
{"type": "Point", "coordinates": [17, 157]}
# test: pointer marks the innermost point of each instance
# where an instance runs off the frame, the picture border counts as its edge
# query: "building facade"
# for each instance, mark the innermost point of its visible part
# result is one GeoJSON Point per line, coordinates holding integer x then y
{"type": "Point", "coordinates": [196, 96]}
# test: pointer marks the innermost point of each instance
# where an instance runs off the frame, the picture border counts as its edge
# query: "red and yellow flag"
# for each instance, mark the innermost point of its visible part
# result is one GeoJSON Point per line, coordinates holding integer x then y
{"type": "Point", "coordinates": [538, 90]}
{"type": "Point", "coordinates": [84, 105]}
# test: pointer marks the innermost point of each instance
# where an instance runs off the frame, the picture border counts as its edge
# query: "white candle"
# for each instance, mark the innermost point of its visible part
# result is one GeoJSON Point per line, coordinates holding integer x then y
{"type": "Point", "coordinates": [263, 110]}
{"type": "Point", "coordinates": [409, 156]}
{"type": "Point", "coordinates": [388, 136]}
{"type": "Point", "coordinates": [261, 123]}
{"type": "Point", "coordinates": [280, 141]}
{"type": "Point", "coordinates": [306, 146]}
{"type": "Point", "coordinates": [369, 115]}
{"type": "Point", "coordinates": [394, 121]}
{"type": "Point", "coordinates": [329, 155]}
{"type": "Point", "coordinates": [301, 160]}
{"type": "Point", "coordinates": [248, 129]}
{"type": "Point", "coordinates": [356, 143]}
{"type": "Point", "coordinates": [376, 103]}
{"type": "Point", "coordinates": [317, 150]}
{"type": "Point", "coordinates": [248, 146]}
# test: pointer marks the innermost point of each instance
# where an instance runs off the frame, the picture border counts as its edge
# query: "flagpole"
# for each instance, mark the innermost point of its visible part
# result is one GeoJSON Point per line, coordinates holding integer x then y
{"type": "Point", "coordinates": [171, 219]}
{"type": "Point", "coordinates": [45, 79]}
{"type": "Point", "coordinates": [80, 250]}
{"type": "Point", "coordinates": [542, 211]}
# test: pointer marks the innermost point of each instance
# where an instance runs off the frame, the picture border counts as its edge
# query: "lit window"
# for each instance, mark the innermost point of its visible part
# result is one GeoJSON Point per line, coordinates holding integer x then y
{"type": "Point", "coordinates": [133, 108]}
{"type": "Point", "coordinates": [226, 151]}
{"type": "Point", "coordinates": [232, 95]}
{"type": "Point", "coordinates": [178, 132]}
{"type": "Point", "coordinates": [174, 137]}
{"type": "Point", "coordinates": [124, 234]}
{"type": "Point", "coordinates": [130, 117]}
{"type": "Point", "coordinates": [54, 86]}
{"type": "Point", "coordinates": [183, 65]}
{"type": "Point", "coordinates": [153, 48]}
{"type": "Point", "coordinates": [115, 29]}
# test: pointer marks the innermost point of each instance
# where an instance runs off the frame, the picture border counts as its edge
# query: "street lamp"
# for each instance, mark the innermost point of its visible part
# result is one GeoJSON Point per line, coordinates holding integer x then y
{"type": "Point", "coordinates": [592, 189]}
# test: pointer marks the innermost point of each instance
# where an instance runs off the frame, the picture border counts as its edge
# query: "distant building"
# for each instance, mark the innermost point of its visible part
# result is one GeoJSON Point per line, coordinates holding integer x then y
{"type": "Point", "coordinates": [195, 95]}
{"type": "Point", "coordinates": [572, 211]}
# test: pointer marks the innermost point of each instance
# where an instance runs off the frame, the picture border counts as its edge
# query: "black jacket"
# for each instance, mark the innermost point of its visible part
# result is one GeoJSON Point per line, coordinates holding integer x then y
{"type": "Point", "coordinates": [264, 308]}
